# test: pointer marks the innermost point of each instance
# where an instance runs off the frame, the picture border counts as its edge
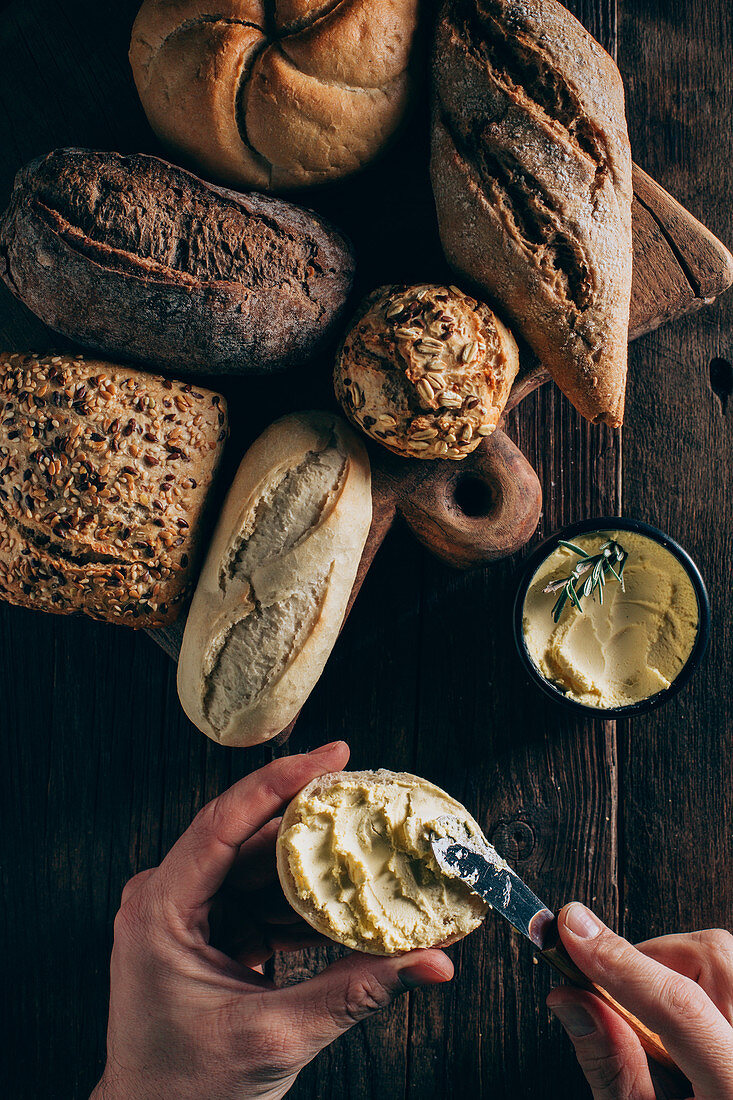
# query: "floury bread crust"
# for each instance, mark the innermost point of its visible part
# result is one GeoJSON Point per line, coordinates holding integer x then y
{"type": "Point", "coordinates": [277, 579]}
{"type": "Point", "coordinates": [104, 475]}
{"type": "Point", "coordinates": [531, 171]}
{"type": "Point", "coordinates": [426, 370]}
{"type": "Point", "coordinates": [170, 269]}
{"type": "Point", "coordinates": [354, 860]}
{"type": "Point", "coordinates": [275, 94]}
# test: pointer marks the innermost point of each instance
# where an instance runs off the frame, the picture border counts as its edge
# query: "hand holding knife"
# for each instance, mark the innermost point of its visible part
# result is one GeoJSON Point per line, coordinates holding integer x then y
{"type": "Point", "coordinates": [473, 860]}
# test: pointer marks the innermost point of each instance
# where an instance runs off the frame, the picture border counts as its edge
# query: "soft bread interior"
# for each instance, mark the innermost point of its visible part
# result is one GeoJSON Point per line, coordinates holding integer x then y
{"type": "Point", "coordinates": [354, 860]}
{"type": "Point", "coordinates": [259, 644]}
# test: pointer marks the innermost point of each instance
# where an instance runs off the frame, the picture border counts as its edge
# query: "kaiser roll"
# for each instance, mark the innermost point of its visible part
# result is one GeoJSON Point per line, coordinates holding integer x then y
{"type": "Point", "coordinates": [277, 95]}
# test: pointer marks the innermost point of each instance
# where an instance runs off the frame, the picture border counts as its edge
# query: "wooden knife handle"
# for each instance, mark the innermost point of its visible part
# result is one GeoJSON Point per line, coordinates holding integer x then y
{"type": "Point", "coordinates": [556, 955]}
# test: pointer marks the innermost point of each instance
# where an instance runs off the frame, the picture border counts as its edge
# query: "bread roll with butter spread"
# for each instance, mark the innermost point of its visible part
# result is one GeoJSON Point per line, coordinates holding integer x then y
{"type": "Point", "coordinates": [354, 859]}
{"type": "Point", "coordinates": [276, 583]}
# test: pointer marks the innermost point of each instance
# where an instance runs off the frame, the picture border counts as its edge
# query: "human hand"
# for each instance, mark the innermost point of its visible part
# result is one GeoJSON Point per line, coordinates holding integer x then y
{"type": "Point", "coordinates": [188, 1020]}
{"type": "Point", "coordinates": [680, 986]}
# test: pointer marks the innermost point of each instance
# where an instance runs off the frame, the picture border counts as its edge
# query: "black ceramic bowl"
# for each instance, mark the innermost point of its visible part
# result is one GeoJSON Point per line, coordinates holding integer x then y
{"type": "Point", "coordinates": [613, 523]}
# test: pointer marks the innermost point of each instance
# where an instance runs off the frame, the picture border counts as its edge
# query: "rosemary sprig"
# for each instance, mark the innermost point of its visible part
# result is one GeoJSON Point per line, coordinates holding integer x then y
{"type": "Point", "coordinates": [611, 558]}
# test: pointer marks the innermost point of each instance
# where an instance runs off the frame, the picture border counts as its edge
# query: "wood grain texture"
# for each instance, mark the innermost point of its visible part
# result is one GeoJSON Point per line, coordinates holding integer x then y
{"type": "Point", "coordinates": [100, 771]}
{"type": "Point", "coordinates": [675, 766]}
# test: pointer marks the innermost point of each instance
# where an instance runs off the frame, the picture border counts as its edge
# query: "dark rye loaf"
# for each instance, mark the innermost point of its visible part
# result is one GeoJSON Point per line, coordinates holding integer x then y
{"type": "Point", "coordinates": [135, 257]}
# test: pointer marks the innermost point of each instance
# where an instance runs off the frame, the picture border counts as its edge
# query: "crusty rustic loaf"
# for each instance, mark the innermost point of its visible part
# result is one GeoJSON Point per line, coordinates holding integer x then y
{"type": "Point", "coordinates": [277, 94]}
{"type": "Point", "coordinates": [135, 257]}
{"type": "Point", "coordinates": [426, 370]}
{"type": "Point", "coordinates": [104, 473]}
{"type": "Point", "coordinates": [531, 172]}
{"type": "Point", "coordinates": [354, 860]}
{"type": "Point", "coordinates": [279, 572]}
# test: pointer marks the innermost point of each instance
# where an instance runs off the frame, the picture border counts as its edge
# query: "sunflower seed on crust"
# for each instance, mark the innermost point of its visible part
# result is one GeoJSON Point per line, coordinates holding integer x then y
{"type": "Point", "coordinates": [468, 351]}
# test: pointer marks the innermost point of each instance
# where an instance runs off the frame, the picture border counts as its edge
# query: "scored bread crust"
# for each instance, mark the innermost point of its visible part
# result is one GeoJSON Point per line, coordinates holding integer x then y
{"type": "Point", "coordinates": [331, 548]}
{"type": "Point", "coordinates": [171, 269]}
{"type": "Point", "coordinates": [531, 171]}
{"type": "Point", "coordinates": [275, 95]}
{"type": "Point", "coordinates": [303, 906]}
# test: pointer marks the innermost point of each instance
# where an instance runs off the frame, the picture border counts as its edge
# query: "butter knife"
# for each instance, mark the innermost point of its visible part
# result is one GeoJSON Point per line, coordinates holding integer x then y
{"type": "Point", "coordinates": [460, 854]}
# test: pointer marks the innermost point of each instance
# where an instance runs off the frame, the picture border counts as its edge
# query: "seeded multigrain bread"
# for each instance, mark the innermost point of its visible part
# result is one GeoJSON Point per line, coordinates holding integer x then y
{"type": "Point", "coordinates": [104, 473]}
{"type": "Point", "coordinates": [276, 582]}
{"type": "Point", "coordinates": [275, 94]}
{"type": "Point", "coordinates": [531, 172]}
{"type": "Point", "coordinates": [134, 257]}
{"type": "Point", "coordinates": [426, 370]}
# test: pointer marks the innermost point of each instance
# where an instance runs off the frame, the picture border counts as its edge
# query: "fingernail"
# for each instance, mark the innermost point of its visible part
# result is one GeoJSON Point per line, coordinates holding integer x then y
{"type": "Point", "coordinates": [582, 922]}
{"type": "Point", "coordinates": [325, 748]}
{"type": "Point", "coordinates": [574, 1019]}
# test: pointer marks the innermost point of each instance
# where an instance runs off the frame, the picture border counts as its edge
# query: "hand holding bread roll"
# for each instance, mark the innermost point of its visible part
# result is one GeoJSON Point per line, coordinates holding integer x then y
{"type": "Point", "coordinates": [354, 860]}
{"type": "Point", "coordinates": [531, 171]}
{"type": "Point", "coordinates": [277, 579]}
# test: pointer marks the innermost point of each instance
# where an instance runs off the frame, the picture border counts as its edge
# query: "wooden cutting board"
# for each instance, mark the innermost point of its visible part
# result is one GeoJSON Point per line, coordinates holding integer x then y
{"type": "Point", "coordinates": [487, 506]}
{"type": "Point", "coordinates": [471, 512]}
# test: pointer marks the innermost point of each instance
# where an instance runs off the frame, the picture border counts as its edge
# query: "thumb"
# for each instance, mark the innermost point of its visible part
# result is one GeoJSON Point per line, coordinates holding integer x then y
{"type": "Point", "coordinates": [694, 1031]}
{"type": "Point", "coordinates": [354, 988]}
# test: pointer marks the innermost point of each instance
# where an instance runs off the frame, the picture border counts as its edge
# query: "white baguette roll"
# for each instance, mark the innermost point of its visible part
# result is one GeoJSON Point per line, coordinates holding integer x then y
{"type": "Point", "coordinates": [277, 579]}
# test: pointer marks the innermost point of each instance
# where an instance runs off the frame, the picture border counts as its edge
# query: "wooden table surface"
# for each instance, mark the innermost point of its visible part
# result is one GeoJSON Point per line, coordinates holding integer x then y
{"type": "Point", "coordinates": [100, 771]}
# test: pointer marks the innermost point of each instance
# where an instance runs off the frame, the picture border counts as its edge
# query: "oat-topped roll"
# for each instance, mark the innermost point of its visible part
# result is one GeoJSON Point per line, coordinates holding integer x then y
{"type": "Point", "coordinates": [426, 370]}
{"type": "Point", "coordinates": [104, 472]}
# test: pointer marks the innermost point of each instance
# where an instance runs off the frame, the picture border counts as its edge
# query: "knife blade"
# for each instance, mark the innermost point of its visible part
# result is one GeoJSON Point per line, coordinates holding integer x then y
{"type": "Point", "coordinates": [464, 855]}
{"type": "Point", "coordinates": [479, 865]}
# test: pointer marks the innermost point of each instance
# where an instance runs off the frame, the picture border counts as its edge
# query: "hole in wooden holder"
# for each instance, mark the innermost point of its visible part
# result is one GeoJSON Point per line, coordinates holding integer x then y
{"type": "Point", "coordinates": [474, 496]}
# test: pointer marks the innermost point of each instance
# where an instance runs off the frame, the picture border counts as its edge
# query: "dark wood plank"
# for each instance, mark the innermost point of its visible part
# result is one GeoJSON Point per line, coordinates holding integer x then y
{"type": "Point", "coordinates": [101, 771]}
{"type": "Point", "coordinates": [367, 696]}
{"type": "Point", "coordinates": [99, 778]}
{"type": "Point", "coordinates": [543, 786]}
{"type": "Point", "coordinates": [675, 766]}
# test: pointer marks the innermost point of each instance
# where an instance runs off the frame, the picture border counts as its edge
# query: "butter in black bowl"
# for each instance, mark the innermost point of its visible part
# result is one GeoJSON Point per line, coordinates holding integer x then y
{"type": "Point", "coordinates": [611, 617]}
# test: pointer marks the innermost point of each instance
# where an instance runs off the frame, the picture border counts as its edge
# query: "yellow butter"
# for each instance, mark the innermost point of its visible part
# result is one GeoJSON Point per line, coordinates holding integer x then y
{"type": "Point", "coordinates": [627, 649]}
{"type": "Point", "coordinates": [359, 854]}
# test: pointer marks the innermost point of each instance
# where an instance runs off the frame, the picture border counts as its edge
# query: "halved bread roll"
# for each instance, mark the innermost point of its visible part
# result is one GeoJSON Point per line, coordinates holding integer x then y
{"type": "Point", "coordinates": [354, 860]}
{"type": "Point", "coordinates": [277, 579]}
